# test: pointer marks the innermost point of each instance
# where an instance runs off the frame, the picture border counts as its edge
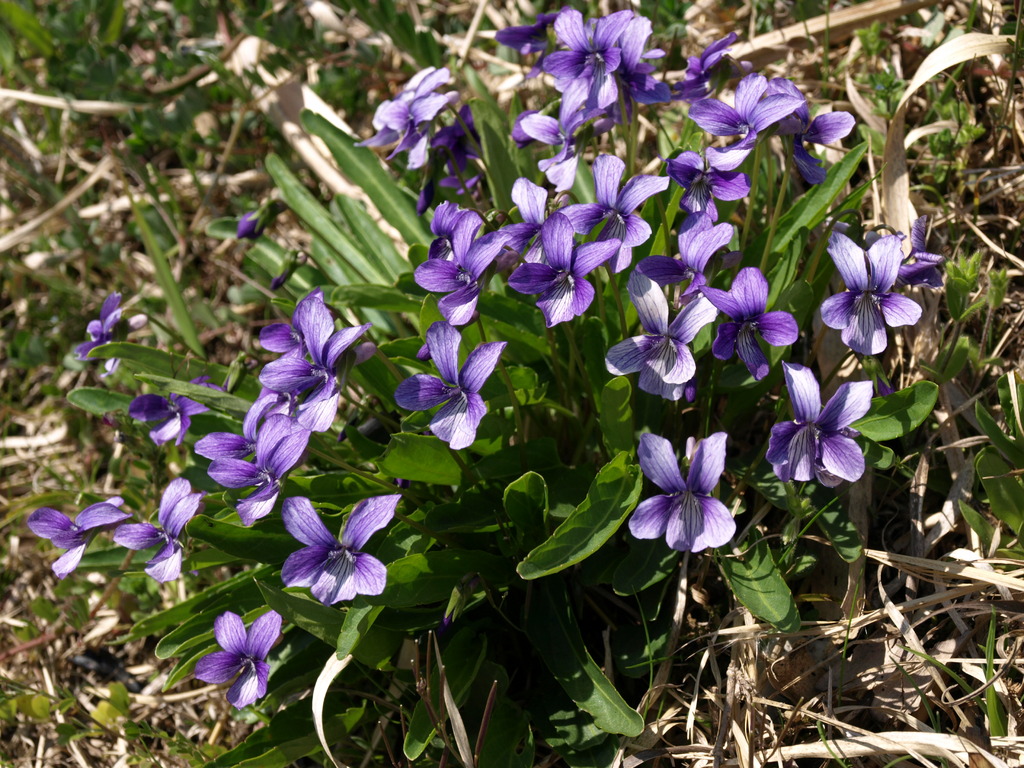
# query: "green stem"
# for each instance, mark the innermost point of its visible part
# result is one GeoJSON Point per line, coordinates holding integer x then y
{"type": "Point", "coordinates": [613, 283]}
{"type": "Point", "coordinates": [776, 212]}
{"type": "Point", "coordinates": [749, 218]}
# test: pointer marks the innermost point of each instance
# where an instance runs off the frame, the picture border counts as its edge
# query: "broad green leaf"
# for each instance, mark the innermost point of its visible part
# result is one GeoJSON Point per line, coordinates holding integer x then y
{"type": "Point", "coordinates": [875, 455]}
{"type": "Point", "coordinates": [321, 621]}
{"type": "Point", "coordinates": [552, 628]}
{"type": "Point", "coordinates": [509, 728]}
{"type": "Point", "coordinates": [526, 504]}
{"type": "Point", "coordinates": [1000, 438]}
{"type": "Point", "coordinates": [420, 457]}
{"type": "Point", "coordinates": [361, 165]}
{"type": "Point", "coordinates": [430, 577]}
{"type": "Point", "coordinates": [757, 583]}
{"type": "Point", "coordinates": [617, 415]}
{"type": "Point", "coordinates": [572, 733]}
{"type": "Point", "coordinates": [373, 296]}
{"type": "Point", "coordinates": [1005, 490]}
{"type": "Point", "coordinates": [288, 738]}
{"type": "Point", "coordinates": [359, 619]}
{"type": "Point", "coordinates": [898, 414]}
{"type": "Point", "coordinates": [239, 586]}
{"type": "Point", "coordinates": [840, 530]}
{"type": "Point", "coordinates": [337, 255]}
{"type": "Point", "coordinates": [648, 562]}
{"type": "Point", "coordinates": [99, 401]}
{"type": "Point", "coordinates": [264, 542]}
{"type": "Point", "coordinates": [612, 496]}
{"type": "Point", "coordinates": [207, 396]}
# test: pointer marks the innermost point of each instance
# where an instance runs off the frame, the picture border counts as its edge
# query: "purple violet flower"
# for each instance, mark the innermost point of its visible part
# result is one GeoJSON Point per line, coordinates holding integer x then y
{"type": "Point", "coordinates": [699, 239]}
{"type": "Point", "coordinates": [635, 73]}
{"type": "Point", "coordinates": [826, 128]}
{"type": "Point", "coordinates": [616, 208]}
{"type": "Point", "coordinates": [697, 82]}
{"type": "Point", "coordinates": [532, 202]}
{"type": "Point", "coordinates": [334, 570]}
{"type": "Point", "coordinates": [661, 355]}
{"type": "Point", "coordinates": [704, 183]}
{"type": "Point", "coordinates": [244, 653]}
{"type": "Point", "coordinates": [102, 332]}
{"type": "Point", "coordinates": [227, 445]}
{"type": "Point", "coordinates": [561, 281]}
{"type": "Point", "coordinates": [866, 307]}
{"type": "Point", "coordinates": [530, 38]}
{"type": "Point", "coordinates": [561, 134]}
{"type": "Point", "coordinates": [819, 442]}
{"type": "Point", "coordinates": [318, 379]}
{"type": "Point", "coordinates": [593, 56]}
{"type": "Point", "coordinates": [751, 115]}
{"type": "Point", "coordinates": [924, 270]}
{"type": "Point", "coordinates": [452, 225]}
{"type": "Point", "coordinates": [745, 302]}
{"type": "Point", "coordinates": [279, 447]}
{"type": "Point", "coordinates": [461, 148]}
{"type": "Point", "coordinates": [178, 505]}
{"type": "Point", "coordinates": [461, 276]}
{"type": "Point", "coordinates": [48, 523]}
{"type": "Point", "coordinates": [406, 118]}
{"type": "Point", "coordinates": [175, 412]}
{"type": "Point", "coordinates": [688, 516]}
{"type": "Point", "coordinates": [458, 388]}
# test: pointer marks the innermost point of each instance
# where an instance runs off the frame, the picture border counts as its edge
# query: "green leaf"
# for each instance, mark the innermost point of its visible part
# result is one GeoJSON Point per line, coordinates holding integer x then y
{"type": "Point", "coordinates": [875, 455]}
{"type": "Point", "coordinates": [375, 245]}
{"type": "Point", "coordinates": [617, 415]}
{"type": "Point", "coordinates": [493, 127]}
{"type": "Point", "coordinates": [321, 621]}
{"type": "Point", "coordinates": [25, 23]}
{"type": "Point", "coordinates": [553, 630]}
{"type": "Point", "coordinates": [420, 457]}
{"type": "Point", "coordinates": [526, 504]}
{"type": "Point", "coordinates": [168, 285]}
{"type": "Point", "coordinates": [99, 401]}
{"type": "Point", "coordinates": [612, 496]}
{"type": "Point", "coordinates": [361, 165]}
{"type": "Point", "coordinates": [840, 530]}
{"type": "Point", "coordinates": [815, 204]}
{"type": "Point", "coordinates": [648, 562]}
{"type": "Point", "coordinates": [213, 398]}
{"type": "Point", "coordinates": [898, 414]}
{"type": "Point", "coordinates": [337, 255]}
{"type": "Point", "coordinates": [1005, 491]}
{"type": "Point", "coordinates": [1000, 438]}
{"type": "Point", "coordinates": [265, 542]}
{"type": "Point", "coordinates": [373, 296]}
{"type": "Point", "coordinates": [430, 577]}
{"type": "Point", "coordinates": [759, 585]}
{"type": "Point", "coordinates": [359, 619]}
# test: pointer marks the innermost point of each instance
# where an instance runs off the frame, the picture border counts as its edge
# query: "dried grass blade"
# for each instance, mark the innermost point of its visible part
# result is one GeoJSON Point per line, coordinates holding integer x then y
{"type": "Point", "coordinates": [331, 670]}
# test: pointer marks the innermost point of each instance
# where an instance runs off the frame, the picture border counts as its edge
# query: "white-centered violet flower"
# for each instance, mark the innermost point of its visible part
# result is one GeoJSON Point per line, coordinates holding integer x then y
{"type": "Point", "coordinates": [593, 55]}
{"type": "Point", "coordinates": [48, 523]}
{"type": "Point", "coordinates": [279, 447]}
{"type": "Point", "coordinates": [334, 570]}
{"type": "Point", "coordinates": [704, 183]}
{"type": "Point", "coordinates": [461, 276]}
{"type": "Point", "coordinates": [561, 280]}
{"type": "Point", "coordinates": [699, 240]}
{"type": "Point", "coordinates": [661, 355]}
{"type": "Point", "coordinates": [406, 118]}
{"type": "Point", "coordinates": [687, 515]}
{"type": "Point", "coordinates": [174, 412]}
{"type": "Point", "coordinates": [316, 378]}
{"type": "Point", "coordinates": [178, 505]}
{"type": "Point", "coordinates": [244, 654]}
{"type": "Point", "coordinates": [745, 302]}
{"type": "Point", "coordinates": [819, 441]}
{"type": "Point", "coordinates": [458, 388]}
{"type": "Point", "coordinates": [867, 306]}
{"type": "Point", "coordinates": [615, 209]}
